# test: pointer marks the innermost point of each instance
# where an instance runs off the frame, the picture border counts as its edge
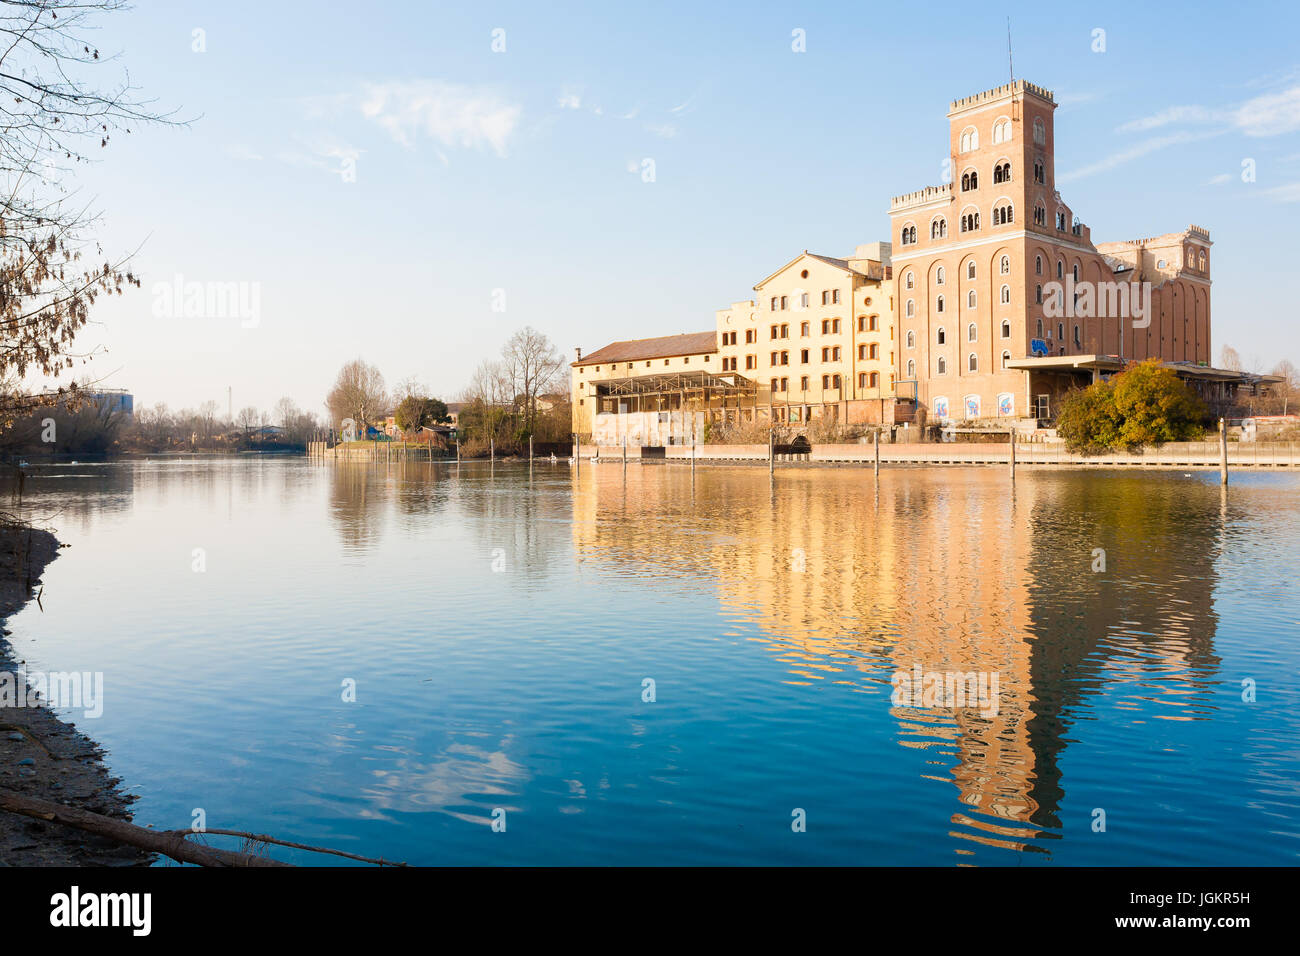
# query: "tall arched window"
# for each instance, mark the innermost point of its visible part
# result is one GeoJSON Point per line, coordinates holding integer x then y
{"type": "Point", "coordinates": [908, 282]}
{"type": "Point", "coordinates": [1038, 295]}
{"type": "Point", "coordinates": [1002, 173]}
{"type": "Point", "coordinates": [911, 339]}
{"type": "Point", "coordinates": [1040, 328]}
{"type": "Point", "coordinates": [1006, 357]}
{"type": "Point", "coordinates": [938, 304]}
{"type": "Point", "coordinates": [1006, 295]}
{"type": "Point", "coordinates": [1060, 268]}
{"type": "Point", "coordinates": [970, 269]}
{"type": "Point", "coordinates": [970, 180]}
{"type": "Point", "coordinates": [1040, 132]}
{"type": "Point", "coordinates": [970, 139]}
{"type": "Point", "coordinates": [1002, 130]}
{"type": "Point", "coordinates": [972, 334]}
{"type": "Point", "coordinates": [1038, 267]}
{"type": "Point", "coordinates": [939, 276]}
{"type": "Point", "coordinates": [940, 335]}
{"type": "Point", "coordinates": [911, 368]}
{"type": "Point", "coordinates": [1076, 272]}
{"type": "Point", "coordinates": [1006, 328]}
{"type": "Point", "coordinates": [972, 363]}
{"type": "Point", "coordinates": [911, 307]}
{"type": "Point", "coordinates": [941, 366]}
{"type": "Point", "coordinates": [1004, 266]}
{"type": "Point", "coordinates": [1002, 215]}
{"type": "Point", "coordinates": [970, 299]}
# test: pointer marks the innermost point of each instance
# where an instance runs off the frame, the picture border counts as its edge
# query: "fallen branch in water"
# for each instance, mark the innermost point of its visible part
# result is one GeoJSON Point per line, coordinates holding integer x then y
{"type": "Point", "coordinates": [263, 838]}
{"type": "Point", "coordinates": [166, 842]}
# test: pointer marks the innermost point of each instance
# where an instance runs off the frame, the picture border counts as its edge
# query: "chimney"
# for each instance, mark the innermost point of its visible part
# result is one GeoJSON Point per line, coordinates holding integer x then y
{"type": "Point", "coordinates": [577, 355]}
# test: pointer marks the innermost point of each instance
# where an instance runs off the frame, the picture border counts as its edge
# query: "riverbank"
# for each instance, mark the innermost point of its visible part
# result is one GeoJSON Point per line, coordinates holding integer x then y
{"type": "Point", "coordinates": [42, 755]}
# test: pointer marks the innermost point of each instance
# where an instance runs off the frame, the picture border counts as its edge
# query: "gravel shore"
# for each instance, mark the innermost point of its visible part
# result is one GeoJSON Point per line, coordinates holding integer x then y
{"type": "Point", "coordinates": [42, 755]}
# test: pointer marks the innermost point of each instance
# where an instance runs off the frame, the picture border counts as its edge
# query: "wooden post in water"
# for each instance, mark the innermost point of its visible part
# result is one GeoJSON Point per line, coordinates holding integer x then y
{"type": "Point", "coordinates": [1223, 451]}
{"type": "Point", "coordinates": [771, 461]}
{"type": "Point", "coordinates": [530, 449]}
{"type": "Point", "coordinates": [492, 448]}
{"type": "Point", "coordinates": [877, 467]}
{"type": "Point", "coordinates": [1012, 446]}
{"type": "Point", "coordinates": [692, 450]}
{"type": "Point", "coordinates": [624, 454]}
{"type": "Point", "coordinates": [458, 449]}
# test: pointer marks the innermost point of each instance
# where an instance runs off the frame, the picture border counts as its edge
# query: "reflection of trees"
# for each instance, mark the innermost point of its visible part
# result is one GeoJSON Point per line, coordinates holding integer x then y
{"type": "Point", "coordinates": [952, 571]}
{"type": "Point", "coordinates": [357, 494]}
{"type": "Point", "coordinates": [526, 512]}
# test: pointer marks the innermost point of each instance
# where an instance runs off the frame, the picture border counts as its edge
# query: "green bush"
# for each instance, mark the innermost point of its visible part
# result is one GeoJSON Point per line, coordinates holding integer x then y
{"type": "Point", "coordinates": [1146, 404]}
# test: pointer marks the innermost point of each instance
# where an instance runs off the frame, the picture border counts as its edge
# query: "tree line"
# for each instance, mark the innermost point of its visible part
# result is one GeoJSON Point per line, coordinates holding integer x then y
{"type": "Point", "coordinates": [521, 393]}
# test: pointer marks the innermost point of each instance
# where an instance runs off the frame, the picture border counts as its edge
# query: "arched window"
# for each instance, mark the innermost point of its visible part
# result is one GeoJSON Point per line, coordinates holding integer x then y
{"type": "Point", "coordinates": [1040, 132]}
{"type": "Point", "coordinates": [1040, 171]}
{"type": "Point", "coordinates": [1060, 268]}
{"type": "Point", "coordinates": [970, 180]}
{"type": "Point", "coordinates": [1006, 328]}
{"type": "Point", "coordinates": [972, 363]}
{"type": "Point", "coordinates": [1005, 295]}
{"type": "Point", "coordinates": [939, 276]}
{"type": "Point", "coordinates": [938, 228]}
{"type": "Point", "coordinates": [875, 380]}
{"type": "Point", "coordinates": [909, 235]}
{"type": "Point", "coordinates": [1040, 216]}
{"type": "Point", "coordinates": [1038, 295]}
{"type": "Point", "coordinates": [911, 340]}
{"type": "Point", "coordinates": [1002, 215]}
{"type": "Point", "coordinates": [972, 335]}
{"type": "Point", "coordinates": [941, 366]}
{"type": "Point", "coordinates": [1002, 173]}
{"type": "Point", "coordinates": [1202, 260]}
{"type": "Point", "coordinates": [940, 335]}
{"type": "Point", "coordinates": [1076, 272]}
{"type": "Point", "coordinates": [970, 269]}
{"type": "Point", "coordinates": [970, 222]}
{"type": "Point", "coordinates": [1004, 266]}
{"type": "Point", "coordinates": [911, 308]}
{"type": "Point", "coordinates": [938, 304]}
{"type": "Point", "coordinates": [970, 299]}
{"type": "Point", "coordinates": [1038, 266]}
{"type": "Point", "coordinates": [970, 139]}
{"type": "Point", "coordinates": [908, 282]}
{"type": "Point", "coordinates": [911, 368]}
{"type": "Point", "coordinates": [1006, 357]}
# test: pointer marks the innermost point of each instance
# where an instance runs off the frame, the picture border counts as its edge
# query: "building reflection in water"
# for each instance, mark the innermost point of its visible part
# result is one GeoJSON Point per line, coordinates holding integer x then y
{"type": "Point", "coordinates": [1061, 586]}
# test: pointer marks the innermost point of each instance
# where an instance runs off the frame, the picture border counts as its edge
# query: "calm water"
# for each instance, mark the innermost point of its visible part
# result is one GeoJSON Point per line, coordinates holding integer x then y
{"type": "Point", "coordinates": [499, 627]}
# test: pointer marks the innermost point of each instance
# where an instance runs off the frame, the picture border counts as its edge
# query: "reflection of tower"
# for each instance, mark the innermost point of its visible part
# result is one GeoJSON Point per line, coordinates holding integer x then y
{"type": "Point", "coordinates": [952, 571]}
{"type": "Point", "coordinates": [230, 404]}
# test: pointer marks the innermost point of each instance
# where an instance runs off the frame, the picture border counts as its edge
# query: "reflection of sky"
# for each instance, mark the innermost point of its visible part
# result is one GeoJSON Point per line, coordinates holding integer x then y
{"type": "Point", "coordinates": [521, 690]}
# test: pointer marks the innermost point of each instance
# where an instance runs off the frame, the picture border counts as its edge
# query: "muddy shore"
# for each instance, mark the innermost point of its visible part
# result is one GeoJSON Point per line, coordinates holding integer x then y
{"type": "Point", "coordinates": [42, 755]}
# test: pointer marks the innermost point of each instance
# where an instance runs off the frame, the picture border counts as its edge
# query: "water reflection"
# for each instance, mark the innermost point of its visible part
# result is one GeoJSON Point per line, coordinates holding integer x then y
{"type": "Point", "coordinates": [1062, 585]}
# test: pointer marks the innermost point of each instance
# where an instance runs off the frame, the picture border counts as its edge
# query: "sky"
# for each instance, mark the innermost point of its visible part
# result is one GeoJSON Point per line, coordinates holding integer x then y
{"type": "Point", "coordinates": [412, 182]}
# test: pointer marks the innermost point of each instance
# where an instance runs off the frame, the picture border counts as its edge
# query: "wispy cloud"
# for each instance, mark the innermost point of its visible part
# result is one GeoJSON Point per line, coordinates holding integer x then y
{"type": "Point", "coordinates": [1286, 193]}
{"type": "Point", "coordinates": [662, 130]}
{"type": "Point", "coordinates": [1219, 180]}
{"type": "Point", "coordinates": [449, 114]}
{"type": "Point", "coordinates": [569, 99]}
{"type": "Point", "coordinates": [1137, 150]}
{"type": "Point", "coordinates": [242, 152]}
{"type": "Point", "coordinates": [1269, 115]}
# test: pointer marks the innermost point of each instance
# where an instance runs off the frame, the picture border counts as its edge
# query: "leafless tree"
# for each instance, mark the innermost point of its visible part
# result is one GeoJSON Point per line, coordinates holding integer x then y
{"type": "Point", "coordinates": [533, 367]}
{"type": "Point", "coordinates": [359, 393]}
{"type": "Point", "coordinates": [1230, 359]}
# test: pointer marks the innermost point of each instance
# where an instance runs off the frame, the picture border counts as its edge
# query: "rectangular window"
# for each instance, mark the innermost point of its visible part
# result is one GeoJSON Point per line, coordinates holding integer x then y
{"type": "Point", "coordinates": [750, 362]}
{"type": "Point", "coordinates": [803, 383]}
{"type": "Point", "coordinates": [875, 351]}
{"type": "Point", "coordinates": [826, 355]}
{"type": "Point", "coordinates": [750, 336]}
{"type": "Point", "coordinates": [835, 353]}
{"type": "Point", "coordinates": [803, 356]}
{"type": "Point", "coordinates": [826, 381]}
{"type": "Point", "coordinates": [774, 385]}
{"type": "Point", "coordinates": [784, 304]}
{"type": "Point", "coordinates": [835, 296]}
{"type": "Point", "coordinates": [785, 384]}
{"type": "Point", "coordinates": [826, 297]}
{"type": "Point", "coordinates": [785, 331]}
{"type": "Point", "coordinates": [862, 351]}
{"type": "Point", "coordinates": [862, 380]}
{"type": "Point", "coordinates": [773, 362]}
{"type": "Point", "coordinates": [835, 381]}
{"type": "Point", "coordinates": [774, 328]}
{"type": "Point", "coordinates": [803, 329]}
{"type": "Point", "coordinates": [835, 325]}
{"type": "Point", "coordinates": [774, 301]}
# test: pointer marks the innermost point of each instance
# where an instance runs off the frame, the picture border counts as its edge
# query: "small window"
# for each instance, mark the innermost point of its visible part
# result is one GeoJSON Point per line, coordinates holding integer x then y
{"type": "Point", "coordinates": [938, 304]}
{"type": "Point", "coordinates": [1006, 328]}
{"type": "Point", "coordinates": [941, 366]}
{"type": "Point", "coordinates": [1006, 295]}
{"type": "Point", "coordinates": [939, 276]}
{"type": "Point", "coordinates": [1004, 266]}
{"type": "Point", "coordinates": [970, 269]}
{"type": "Point", "coordinates": [972, 362]}
{"type": "Point", "coordinates": [911, 368]}
{"type": "Point", "coordinates": [940, 335]}
{"type": "Point", "coordinates": [908, 282]}
{"type": "Point", "coordinates": [911, 340]}
{"type": "Point", "coordinates": [972, 334]}
{"type": "Point", "coordinates": [970, 299]}
{"type": "Point", "coordinates": [1006, 357]}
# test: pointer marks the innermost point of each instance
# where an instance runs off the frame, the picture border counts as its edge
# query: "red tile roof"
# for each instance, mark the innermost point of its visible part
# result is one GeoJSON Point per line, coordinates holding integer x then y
{"type": "Point", "coordinates": [690, 343]}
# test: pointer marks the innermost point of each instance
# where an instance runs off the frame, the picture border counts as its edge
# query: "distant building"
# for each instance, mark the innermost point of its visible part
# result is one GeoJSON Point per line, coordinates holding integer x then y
{"type": "Point", "coordinates": [114, 400]}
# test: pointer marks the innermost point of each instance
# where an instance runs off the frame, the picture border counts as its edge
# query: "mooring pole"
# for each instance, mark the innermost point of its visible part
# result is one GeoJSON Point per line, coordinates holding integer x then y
{"type": "Point", "coordinates": [1013, 452]}
{"type": "Point", "coordinates": [771, 461]}
{"type": "Point", "coordinates": [692, 450]}
{"type": "Point", "coordinates": [577, 453]}
{"type": "Point", "coordinates": [530, 449]}
{"type": "Point", "coordinates": [877, 470]}
{"type": "Point", "coordinates": [458, 449]}
{"type": "Point", "coordinates": [1223, 451]}
{"type": "Point", "coordinates": [492, 448]}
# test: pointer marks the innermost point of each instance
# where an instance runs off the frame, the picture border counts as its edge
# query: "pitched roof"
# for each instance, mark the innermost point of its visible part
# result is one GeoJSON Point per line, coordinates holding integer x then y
{"type": "Point", "coordinates": [690, 343]}
{"type": "Point", "coordinates": [829, 260]}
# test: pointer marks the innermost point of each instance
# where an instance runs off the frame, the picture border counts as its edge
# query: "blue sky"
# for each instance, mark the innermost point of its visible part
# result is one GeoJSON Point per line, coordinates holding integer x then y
{"type": "Point", "coordinates": [375, 172]}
